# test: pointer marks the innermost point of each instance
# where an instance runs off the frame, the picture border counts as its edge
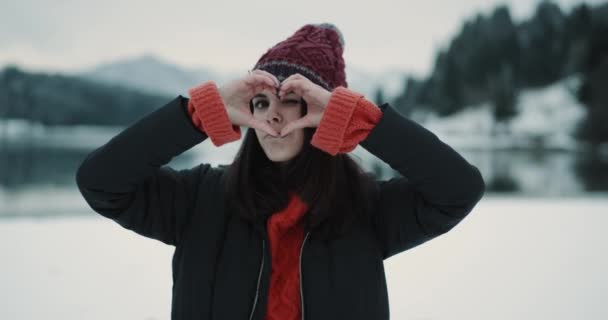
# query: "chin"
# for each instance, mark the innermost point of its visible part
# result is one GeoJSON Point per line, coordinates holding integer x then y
{"type": "Point", "coordinates": [280, 157]}
{"type": "Point", "coordinates": [282, 152]}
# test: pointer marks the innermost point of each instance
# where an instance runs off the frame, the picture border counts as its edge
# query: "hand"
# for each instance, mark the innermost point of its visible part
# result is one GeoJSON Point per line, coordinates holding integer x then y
{"type": "Point", "coordinates": [316, 98]}
{"type": "Point", "coordinates": [238, 93]}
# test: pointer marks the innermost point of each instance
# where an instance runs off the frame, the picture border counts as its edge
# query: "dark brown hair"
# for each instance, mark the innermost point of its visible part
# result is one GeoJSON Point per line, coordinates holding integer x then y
{"type": "Point", "coordinates": [336, 188]}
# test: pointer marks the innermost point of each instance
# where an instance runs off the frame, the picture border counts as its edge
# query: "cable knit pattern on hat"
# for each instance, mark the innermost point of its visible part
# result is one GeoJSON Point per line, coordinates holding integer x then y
{"type": "Point", "coordinates": [347, 120]}
{"type": "Point", "coordinates": [286, 235]}
{"type": "Point", "coordinates": [315, 51]}
{"type": "Point", "coordinates": [208, 113]}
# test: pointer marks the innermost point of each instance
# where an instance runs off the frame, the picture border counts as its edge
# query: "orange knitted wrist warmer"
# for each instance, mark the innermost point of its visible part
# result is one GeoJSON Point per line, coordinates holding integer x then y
{"type": "Point", "coordinates": [347, 119]}
{"type": "Point", "coordinates": [208, 113]}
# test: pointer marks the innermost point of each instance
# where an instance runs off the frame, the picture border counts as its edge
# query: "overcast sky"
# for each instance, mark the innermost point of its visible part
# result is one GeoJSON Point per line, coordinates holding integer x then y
{"type": "Point", "coordinates": [231, 36]}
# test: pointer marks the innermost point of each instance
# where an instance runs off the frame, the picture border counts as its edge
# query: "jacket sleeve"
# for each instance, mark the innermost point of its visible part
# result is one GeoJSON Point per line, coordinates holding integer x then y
{"type": "Point", "coordinates": [126, 180]}
{"type": "Point", "coordinates": [438, 187]}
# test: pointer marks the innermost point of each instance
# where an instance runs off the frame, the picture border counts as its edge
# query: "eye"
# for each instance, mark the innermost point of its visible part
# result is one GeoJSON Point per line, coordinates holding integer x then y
{"type": "Point", "coordinates": [291, 101]}
{"type": "Point", "coordinates": [257, 103]}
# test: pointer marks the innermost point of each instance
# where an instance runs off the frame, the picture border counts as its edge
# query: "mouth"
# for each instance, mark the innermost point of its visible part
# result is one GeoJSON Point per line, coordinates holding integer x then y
{"type": "Point", "coordinates": [268, 136]}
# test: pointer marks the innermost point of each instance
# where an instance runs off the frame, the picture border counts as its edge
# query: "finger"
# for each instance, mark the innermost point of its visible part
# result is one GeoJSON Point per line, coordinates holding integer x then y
{"type": "Point", "coordinates": [256, 78]}
{"type": "Point", "coordinates": [290, 78]}
{"type": "Point", "coordinates": [275, 82]}
{"type": "Point", "coordinates": [269, 82]}
{"type": "Point", "coordinates": [270, 75]}
{"type": "Point", "coordinates": [259, 86]}
{"type": "Point", "coordinates": [294, 125]}
{"type": "Point", "coordinates": [261, 125]}
{"type": "Point", "coordinates": [263, 88]}
{"type": "Point", "coordinates": [296, 86]}
{"type": "Point", "coordinates": [294, 76]}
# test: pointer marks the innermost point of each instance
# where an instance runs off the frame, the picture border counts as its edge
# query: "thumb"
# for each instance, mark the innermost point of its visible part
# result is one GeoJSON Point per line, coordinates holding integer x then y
{"type": "Point", "coordinates": [262, 125]}
{"type": "Point", "coordinates": [294, 125]}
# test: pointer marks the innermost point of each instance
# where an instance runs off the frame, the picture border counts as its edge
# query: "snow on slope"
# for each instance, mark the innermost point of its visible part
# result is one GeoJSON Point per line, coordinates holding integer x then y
{"type": "Point", "coordinates": [546, 117]}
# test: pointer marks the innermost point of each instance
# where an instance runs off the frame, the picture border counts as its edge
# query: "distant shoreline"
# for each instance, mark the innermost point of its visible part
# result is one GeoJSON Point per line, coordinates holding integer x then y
{"type": "Point", "coordinates": [87, 136]}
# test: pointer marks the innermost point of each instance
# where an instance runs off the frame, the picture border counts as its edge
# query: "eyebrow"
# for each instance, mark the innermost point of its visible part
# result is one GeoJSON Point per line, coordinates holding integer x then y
{"type": "Point", "coordinates": [259, 95]}
{"type": "Point", "coordinates": [262, 95]}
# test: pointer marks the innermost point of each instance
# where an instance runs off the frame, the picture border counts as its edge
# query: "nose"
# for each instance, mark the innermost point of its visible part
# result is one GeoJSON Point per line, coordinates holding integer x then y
{"type": "Point", "coordinates": [273, 114]}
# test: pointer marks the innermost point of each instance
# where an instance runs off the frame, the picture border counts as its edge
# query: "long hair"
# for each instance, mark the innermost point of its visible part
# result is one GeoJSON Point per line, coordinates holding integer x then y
{"type": "Point", "coordinates": [336, 189]}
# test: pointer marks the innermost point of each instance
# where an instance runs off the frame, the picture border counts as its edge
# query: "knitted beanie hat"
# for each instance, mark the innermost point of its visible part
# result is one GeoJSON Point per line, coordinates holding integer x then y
{"type": "Point", "coordinates": [314, 51]}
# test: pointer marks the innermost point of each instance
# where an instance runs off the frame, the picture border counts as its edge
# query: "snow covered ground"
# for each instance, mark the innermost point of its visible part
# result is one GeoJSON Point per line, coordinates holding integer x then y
{"type": "Point", "coordinates": [511, 258]}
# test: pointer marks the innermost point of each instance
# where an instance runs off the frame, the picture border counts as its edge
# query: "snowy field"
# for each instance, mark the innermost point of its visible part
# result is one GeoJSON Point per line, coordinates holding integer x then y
{"type": "Point", "coordinates": [512, 258]}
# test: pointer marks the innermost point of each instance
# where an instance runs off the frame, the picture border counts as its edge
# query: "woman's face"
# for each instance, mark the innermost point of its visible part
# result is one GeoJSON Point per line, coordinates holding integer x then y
{"type": "Point", "coordinates": [278, 113]}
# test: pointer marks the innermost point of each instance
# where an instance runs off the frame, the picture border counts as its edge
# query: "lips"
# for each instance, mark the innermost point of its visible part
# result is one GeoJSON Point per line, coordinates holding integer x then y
{"type": "Point", "coordinates": [268, 136]}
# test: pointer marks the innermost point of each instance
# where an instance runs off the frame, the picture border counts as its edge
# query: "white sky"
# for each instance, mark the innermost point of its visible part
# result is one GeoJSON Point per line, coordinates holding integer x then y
{"type": "Point", "coordinates": [229, 35]}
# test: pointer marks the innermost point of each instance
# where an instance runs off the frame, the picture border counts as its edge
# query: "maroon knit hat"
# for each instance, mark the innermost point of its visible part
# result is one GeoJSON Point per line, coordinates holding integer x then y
{"type": "Point", "coordinates": [314, 51]}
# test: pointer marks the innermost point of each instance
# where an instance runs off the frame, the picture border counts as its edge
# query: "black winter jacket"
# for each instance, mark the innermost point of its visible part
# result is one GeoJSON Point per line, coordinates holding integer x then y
{"type": "Point", "coordinates": [221, 266]}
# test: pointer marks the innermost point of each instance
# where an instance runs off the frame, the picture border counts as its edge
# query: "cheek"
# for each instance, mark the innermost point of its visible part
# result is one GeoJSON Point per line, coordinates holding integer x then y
{"type": "Point", "coordinates": [299, 141]}
{"type": "Point", "coordinates": [258, 134]}
{"type": "Point", "coordinates": [295, 113]}
{"type": "Point", "coordinates": [256, 115]}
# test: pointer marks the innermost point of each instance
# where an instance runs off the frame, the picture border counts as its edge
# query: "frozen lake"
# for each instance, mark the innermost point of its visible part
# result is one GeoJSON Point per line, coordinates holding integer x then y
{"type": "Point", "coordinates": [511, 258]}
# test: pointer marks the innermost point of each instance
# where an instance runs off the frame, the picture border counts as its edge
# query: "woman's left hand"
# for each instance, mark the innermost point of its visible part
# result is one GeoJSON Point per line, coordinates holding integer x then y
{"type": "Point", "coordinates": [316, 98]}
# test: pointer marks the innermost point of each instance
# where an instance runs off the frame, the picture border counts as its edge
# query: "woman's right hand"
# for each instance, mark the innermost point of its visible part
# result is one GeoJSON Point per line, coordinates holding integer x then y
{"type": "Point", "coordinates": [238, 93]}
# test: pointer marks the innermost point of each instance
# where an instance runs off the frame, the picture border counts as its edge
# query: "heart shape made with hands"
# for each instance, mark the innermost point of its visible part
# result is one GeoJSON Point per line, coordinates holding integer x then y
{"type": "Point", "coordinates": [238, 94]}
{"type": "Point", "coordinates": [316, 98]}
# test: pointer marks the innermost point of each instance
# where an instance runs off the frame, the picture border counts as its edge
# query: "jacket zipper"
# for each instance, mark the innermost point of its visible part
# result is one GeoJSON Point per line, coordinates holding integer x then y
{"type": "Point", "coordinates": [260, 276]}
{"type": "Point", "coordinates": [257, 290]}
{"type": "Point", "coordinates": [302, 291]}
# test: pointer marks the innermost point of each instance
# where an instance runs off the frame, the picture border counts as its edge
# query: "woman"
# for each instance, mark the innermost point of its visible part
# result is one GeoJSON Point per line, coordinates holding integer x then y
{"type": "Point", "coordinates": [293, 228]}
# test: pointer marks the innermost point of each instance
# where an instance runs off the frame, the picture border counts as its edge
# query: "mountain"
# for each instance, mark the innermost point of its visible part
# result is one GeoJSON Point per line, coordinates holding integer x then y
{"type": "Point", "coordinates": [153, 74]}
{"type": "Point", "coordinates": [60, 99]}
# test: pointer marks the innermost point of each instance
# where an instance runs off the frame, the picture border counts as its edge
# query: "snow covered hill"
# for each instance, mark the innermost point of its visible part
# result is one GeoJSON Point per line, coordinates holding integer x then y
{"type": "Point", "coordinates": [150, 74]}
{"type": "Point", "coordinates": [546, 118]}
{"type": "Point", "coordinates": [153, 74]}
